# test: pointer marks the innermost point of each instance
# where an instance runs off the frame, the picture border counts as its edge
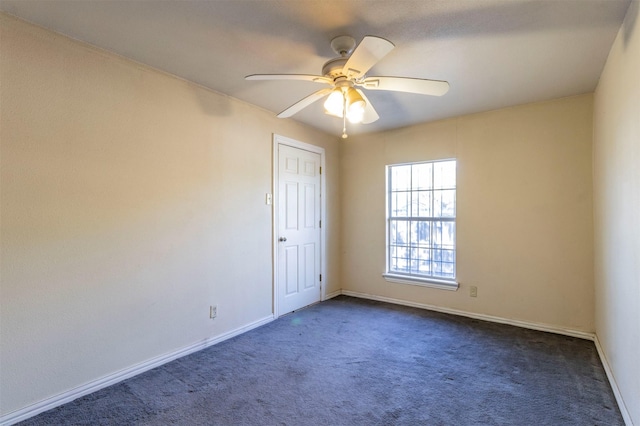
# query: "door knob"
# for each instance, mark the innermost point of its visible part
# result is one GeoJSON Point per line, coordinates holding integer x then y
{"type": "Point", "coordinates": [283, 239]}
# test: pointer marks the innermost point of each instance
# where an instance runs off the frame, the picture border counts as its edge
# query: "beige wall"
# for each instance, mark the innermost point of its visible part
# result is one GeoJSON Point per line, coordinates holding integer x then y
{"type": "Point", "coordinates": [131, 201]}
{"type": "Point", "coordinates": [616, 171]}
{"type": "Point", "coordinates": [524, 213]}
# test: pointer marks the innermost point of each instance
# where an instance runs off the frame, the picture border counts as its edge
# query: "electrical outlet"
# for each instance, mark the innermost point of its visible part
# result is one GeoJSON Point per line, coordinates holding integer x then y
{"type": "Point", "coordinates": [213, 311]}
{"type": "Point", "coordinates": [473, 291]}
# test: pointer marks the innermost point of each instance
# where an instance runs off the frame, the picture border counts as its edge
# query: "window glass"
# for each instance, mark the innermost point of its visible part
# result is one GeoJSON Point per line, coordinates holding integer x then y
{"type": "Point", "coordinates": [422, 219]}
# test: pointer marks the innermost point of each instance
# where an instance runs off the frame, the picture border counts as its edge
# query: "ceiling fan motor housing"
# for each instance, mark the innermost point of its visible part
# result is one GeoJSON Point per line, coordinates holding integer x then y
{"type": "Point", "coordinates": [333, 67]}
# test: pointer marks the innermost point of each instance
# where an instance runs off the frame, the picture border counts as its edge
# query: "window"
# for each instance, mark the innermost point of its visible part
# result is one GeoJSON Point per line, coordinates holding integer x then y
{"type": "Point", "coordinates": [421, 223]}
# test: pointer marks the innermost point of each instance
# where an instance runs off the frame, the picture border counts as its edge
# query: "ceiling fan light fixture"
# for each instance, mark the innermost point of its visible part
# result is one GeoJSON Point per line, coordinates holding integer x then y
{"type": "Point", "coordinates": [355, 117]}
{"type": "Point", "coordinates": [334, 105]}
{"type": "Point", "coordinates": [355, 106]}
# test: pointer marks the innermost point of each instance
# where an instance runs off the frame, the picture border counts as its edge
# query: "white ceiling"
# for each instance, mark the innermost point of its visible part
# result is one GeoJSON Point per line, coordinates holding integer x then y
{"type": "Point", "coordinates": [494, 53]}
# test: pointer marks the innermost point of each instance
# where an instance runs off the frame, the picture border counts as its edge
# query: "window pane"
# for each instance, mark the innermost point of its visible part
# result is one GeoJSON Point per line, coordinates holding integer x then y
{"type": "Point", "coordinates": [424, 203]}
{"type": "Point", "coordinates": [447, 256]}
{"type": "Point", "coordinates": [422, 176]}
{"type": "Point", "coordinates": [448, 235]}
{"type": "Point", "coordinates": [398, 232]}
{"type": "Point", "coordinates": [402, 263]}
{"type": "Point", "coordinates": [436, 263]}
{"type": "Point", "coordinates": [414, 233]}
{"type": "Point", "coordinates": [401, 253]}
{"type": "Point", "coordinates": [414, 260]}
{"type": "Point", "coordinates": [447, 203]}
{"type": "Point", "coordinates": [400, 204]}
{"type": "Point", "coordinates": [448, 263]}
{"type": "Point", "coordinates": [436, 234]}
{"type": "Point", "coordinates": [424, 267]}
{"type": "Point", "coordinates": [444, 174]}
{"type": "Point", "coordinates": [437, 203]}
{"type": "Point", "coordinates": [392, 232]}
{"type": "Point", "coordinates": [423, 254]}
{"type": "Point", "coordinates": [393, 264]}
{"type": "Point", "coordinates": [401, 178]}
{"type": "Point", "coordinates": [415, 204]}
{"type": "Point", "coordinates": [444, 203]}
{"type": "Point", "coordinates": [423, 234]}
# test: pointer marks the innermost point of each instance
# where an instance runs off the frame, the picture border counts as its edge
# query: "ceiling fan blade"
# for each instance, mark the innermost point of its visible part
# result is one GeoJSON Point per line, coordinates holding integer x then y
{"type": "Point", "coordinates": [305, 102]}
{"type": "Point", "coordinates": [367, 54]}
{"type": "Point", "coordinates": [303, 77]}
{"type": "Point", "coordinates": [370, 114]}
{"type": "Point", "coordinates": [406, 84]}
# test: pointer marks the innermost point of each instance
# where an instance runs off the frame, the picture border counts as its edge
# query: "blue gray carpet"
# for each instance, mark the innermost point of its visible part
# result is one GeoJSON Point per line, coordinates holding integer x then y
{"type": "Point", "coordinates": [349, 361]}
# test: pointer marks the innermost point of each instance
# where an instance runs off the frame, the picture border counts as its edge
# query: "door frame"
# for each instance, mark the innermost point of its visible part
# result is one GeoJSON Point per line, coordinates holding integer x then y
{"type": "Point", "coordinates": [282, 140]}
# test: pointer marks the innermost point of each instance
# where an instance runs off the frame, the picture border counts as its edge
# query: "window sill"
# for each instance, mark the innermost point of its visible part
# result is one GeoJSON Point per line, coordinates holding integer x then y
{"type": "Point", "coordinates": [425, 282]}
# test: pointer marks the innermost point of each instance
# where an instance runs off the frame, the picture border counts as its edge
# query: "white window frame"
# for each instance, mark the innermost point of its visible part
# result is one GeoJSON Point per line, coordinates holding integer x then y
{"type": "Point", "coordinates": [412, 278]}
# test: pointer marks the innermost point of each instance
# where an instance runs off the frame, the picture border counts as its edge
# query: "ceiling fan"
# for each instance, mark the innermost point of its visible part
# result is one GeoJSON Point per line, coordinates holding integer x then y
{"type": "Point", "coordinates": [346, 74]}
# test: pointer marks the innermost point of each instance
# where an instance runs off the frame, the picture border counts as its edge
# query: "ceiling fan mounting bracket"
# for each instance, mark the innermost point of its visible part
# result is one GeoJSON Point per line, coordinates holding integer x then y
{"type": "Point", "coordinates": [343, 45]}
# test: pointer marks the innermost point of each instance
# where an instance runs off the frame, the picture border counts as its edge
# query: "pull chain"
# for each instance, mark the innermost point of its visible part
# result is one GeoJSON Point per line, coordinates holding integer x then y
{"type": "Point", "coordinates": [344, 127]}
{"type": "Point", "coordinates": [344, 115]}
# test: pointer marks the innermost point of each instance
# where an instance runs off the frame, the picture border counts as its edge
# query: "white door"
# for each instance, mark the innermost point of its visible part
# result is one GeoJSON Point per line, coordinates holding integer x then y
{"type": "Point", "coordinates": [298, 230]}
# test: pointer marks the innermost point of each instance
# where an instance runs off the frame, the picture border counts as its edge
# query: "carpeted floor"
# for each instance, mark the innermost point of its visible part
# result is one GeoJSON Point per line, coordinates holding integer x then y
{"type": "Point", "coordinates": [349, 361]}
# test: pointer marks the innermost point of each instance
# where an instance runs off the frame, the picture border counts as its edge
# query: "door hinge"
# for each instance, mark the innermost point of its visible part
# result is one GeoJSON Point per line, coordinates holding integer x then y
{"type": "Point", "coordinates": [320, 224]}
{"type": "Point", "coordinates": [320, 169]}
{"type": "Point", "coordinates": [320, 277]}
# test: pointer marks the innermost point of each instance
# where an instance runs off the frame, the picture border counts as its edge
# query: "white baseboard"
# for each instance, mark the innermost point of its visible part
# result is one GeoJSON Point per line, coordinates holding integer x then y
{"type": "Point", "coordinates": [614, 385]}
{"type": "Point", "coordinates": [524, 324]}
{"type": "Point", "coordinates": [332, 295]}
{"type": "Point", "coordinates": [103, 382]}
